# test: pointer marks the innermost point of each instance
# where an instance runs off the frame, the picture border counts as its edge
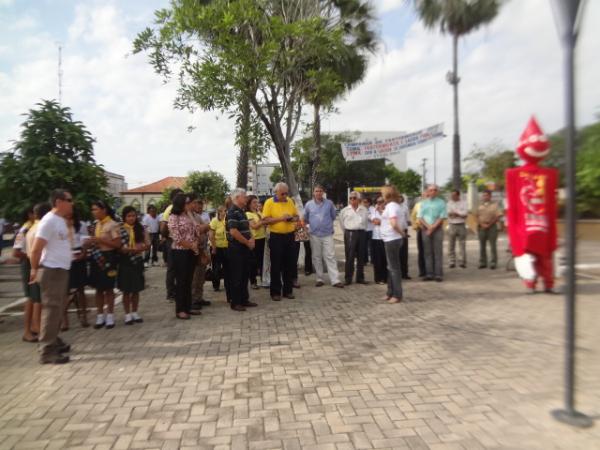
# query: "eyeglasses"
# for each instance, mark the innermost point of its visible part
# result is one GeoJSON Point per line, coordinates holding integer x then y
{"type": "Point", "coordinates": [68, 199]}
{"type": "Point", "coordinates": [283, 193]}
{"type": "Point", "coordinates": [353, 198]}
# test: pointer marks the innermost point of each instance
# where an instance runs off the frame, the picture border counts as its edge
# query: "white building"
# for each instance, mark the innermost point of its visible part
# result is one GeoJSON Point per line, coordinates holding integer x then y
{"type": "Point", "coordinates": [150, 194]}
{"type": "Point", "coordinates": [115, 183]}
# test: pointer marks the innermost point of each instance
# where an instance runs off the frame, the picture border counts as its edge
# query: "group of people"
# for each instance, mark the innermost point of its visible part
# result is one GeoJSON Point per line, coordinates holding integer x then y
{"type": "Point", "coordinates": [245, 243]}
{"type": "Point", "coordinates": [60, 255]}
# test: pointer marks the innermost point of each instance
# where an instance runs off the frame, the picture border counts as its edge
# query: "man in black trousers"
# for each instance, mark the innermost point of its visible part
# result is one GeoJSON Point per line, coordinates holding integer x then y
{"type": "Point", "coordinates": [353, 220]}
{"type": "Point", "coordinates": [239, 250]}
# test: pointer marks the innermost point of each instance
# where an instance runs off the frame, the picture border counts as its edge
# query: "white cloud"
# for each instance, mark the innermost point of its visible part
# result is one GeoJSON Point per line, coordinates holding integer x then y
{"type": "Point", "coordinates": [509, 70]}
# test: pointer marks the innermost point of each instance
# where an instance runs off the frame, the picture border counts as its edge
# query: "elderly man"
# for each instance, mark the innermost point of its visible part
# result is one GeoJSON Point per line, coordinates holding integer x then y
{"type": "Point", "coordinates": [431, 217]}
{"type": "Point", "coordinates": [457, 216]}
{"type": "Point", "coordinates": [281, 215]}
{"type": "Point", "coordinates": [319, 215]}
{"type": "Point", "coordinates": [51, 257]}
{"type": "Point", "coordinates": [353, 221]}
{"type": "Point", "coordinates": [488, 215]}
{"type": "Point", "coordinates": [241, 243]}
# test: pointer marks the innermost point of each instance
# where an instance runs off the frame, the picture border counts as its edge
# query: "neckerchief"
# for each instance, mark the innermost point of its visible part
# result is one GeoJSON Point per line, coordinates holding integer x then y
{"type": "Point", "coordinates": [131, 233]}
{"type": "Point", "coordinates": [100, 226]}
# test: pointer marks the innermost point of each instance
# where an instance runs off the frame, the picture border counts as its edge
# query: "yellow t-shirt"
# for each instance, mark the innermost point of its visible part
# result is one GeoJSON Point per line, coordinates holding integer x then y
{"type": "Point", "coordinates": [259, 233]}
{"type": "Point", "coordinates": [414, 216]}
{"type": "Point", "coordinates": [218, 226]}
{"type": "Point", "coordinates": [166, 213]}
{"type": "Point", "coordinates": [277, 209]}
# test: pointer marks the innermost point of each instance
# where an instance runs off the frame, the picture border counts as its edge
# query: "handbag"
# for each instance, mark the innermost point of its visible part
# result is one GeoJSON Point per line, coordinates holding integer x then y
{"type": "Point", "coordinates": [301, 235]}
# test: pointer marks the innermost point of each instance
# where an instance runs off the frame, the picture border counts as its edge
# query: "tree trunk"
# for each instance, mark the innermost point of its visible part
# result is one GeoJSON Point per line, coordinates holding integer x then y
{"type": "Point", "coordinates": [316, 156]}
{"type": "Point", "coordinates": [244, 154]}
{"type": "Point", "coordinates": [456, 175]}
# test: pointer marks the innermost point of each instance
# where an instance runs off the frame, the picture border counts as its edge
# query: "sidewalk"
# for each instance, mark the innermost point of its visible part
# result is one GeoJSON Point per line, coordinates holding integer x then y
{"type": "Point", "coordinates": [466, 364]}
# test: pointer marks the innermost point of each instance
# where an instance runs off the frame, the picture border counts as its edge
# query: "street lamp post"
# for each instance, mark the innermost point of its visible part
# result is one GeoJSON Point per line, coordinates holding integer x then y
{"type": "Point", "coordinates": [566, 14]}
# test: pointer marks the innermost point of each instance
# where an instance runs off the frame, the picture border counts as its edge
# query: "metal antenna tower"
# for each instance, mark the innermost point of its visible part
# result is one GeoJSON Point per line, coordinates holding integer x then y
{"type": "Point", "coordinates": [60, 74]}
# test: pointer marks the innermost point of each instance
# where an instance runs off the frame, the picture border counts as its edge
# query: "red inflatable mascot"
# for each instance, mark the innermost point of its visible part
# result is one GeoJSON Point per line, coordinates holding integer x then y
{"type": "Point", "coordinates": [531, 209]}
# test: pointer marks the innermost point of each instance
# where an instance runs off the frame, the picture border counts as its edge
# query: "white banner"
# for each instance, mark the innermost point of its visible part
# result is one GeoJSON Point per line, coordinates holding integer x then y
{"type": "Point", "coordinates": [384, 148]}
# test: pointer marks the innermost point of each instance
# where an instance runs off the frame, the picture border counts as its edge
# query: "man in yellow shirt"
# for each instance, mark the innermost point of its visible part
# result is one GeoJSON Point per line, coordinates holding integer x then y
{"type": "Point", "coordinates": [281, 215]}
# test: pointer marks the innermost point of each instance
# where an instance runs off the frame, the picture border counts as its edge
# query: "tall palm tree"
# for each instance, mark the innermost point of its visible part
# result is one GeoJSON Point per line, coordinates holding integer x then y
{"type": "Point", "coordinates": [457, 18]}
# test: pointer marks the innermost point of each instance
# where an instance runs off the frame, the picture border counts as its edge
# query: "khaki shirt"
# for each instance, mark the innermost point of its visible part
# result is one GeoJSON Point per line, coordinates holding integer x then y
{"type": "Point", "coordinates": [488, 213]}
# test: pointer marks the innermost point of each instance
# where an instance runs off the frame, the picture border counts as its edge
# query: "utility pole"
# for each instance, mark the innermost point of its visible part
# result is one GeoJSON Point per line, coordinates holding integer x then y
{"type": "Point", "coordinates": [60, 74]}
{"type": "Point", "coordinates": [424, 173]}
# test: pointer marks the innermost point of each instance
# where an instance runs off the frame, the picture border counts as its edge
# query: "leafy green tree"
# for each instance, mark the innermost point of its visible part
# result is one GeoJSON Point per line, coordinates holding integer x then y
{"type": "Point", "coordinates": [336, 74]}
{"type": "Point", "coordinates": [230, 50]}
{"type": "Point", "coordinates": [588, 166]}
{"type": "Point", "coordinates": [209, 185]}
{"type": "Point", "coordinates": [54, 151]}
{"type": "Point", "coordinates": [336, 174]}
{"type": "Point", "coordinates": [489, 164]}
{"type": "Point", "coordinates": [457, 18]}
{"type": "Point", "coordinates": [407, 182]}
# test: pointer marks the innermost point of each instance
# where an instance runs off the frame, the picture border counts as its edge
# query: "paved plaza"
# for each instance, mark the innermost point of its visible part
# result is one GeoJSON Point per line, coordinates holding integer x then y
{"type": "Point", "coordinates": [470, 363]}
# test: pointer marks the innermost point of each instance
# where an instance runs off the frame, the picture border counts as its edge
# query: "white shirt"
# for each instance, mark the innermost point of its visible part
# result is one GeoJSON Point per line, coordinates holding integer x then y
{"type": "Point", "coordinates": [20, 241]}
{"type": "Point", "coordinates": [151, 223]}
{"type": "Point", "coordinates": [370, 225]}
{"type": "Point", "coordinates": [57, 252]}
{"type": "Point", "coordinates": [459, 207]}
{"type": "Point", "coordinates": [376, 228]}
{"type": "Point", "coordinates": [354, 219]}
{"type": "Point", "coordinates": [80, 236]}
{"type": "Point", "coordinates": [392, 211]}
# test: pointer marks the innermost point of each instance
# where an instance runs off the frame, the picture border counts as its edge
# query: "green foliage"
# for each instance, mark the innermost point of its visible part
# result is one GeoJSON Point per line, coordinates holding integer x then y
{"type": "Point", "coordinates": [336, 174]}
{"type": "Point", "coordinates": [588, 167]}
{"type": "Point", "coordinates": [276, 175]}
{"type": "Point", "coordinates": [165, 199]}
{"type": "Point", "coordinates": [53, 151]}
{"type": "Point", "coordinates": [489, 164]}
{"type": "Point", "coordinates": [457, 17]}
{"type": "Point", "coordinates": [407, 182]}
{"type": "Point", "coordinates": [209, 185]}
{"type": "Point", "coordinates": [266, 52]}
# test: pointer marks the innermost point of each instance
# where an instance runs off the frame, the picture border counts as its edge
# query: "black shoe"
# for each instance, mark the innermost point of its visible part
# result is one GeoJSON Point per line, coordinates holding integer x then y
{"type": "Point", "coordinates": [205, 302]}
{"type": "Point", "coordinates": [250, 305]}
{"type": "Point", "coordinates": [276, 298]}
{"type": "Point", "coordinates": [338, 285]}
{"type": "Point", "coordinates": [319, 284]}
{"type": "Point", "coordinates": [463, 266]}
{"type": "Point", "coordinates": [493, 266]}
{"type": "Point", "coordinates": [129, 322]}
{"type": "Point", "coordinates": [138, 320]}
{"type": "Point", "coordinates": [452, 266]}
{"type": "Point", "coordinates": [482, 266]}
{"type": "Point", "coordinates": [109, 327]}
{"type": "Point", "coordinates": [439, 279]}
{"type": "Point", "coordinates": [54, 359]}
{"type": "Point", "coordinates": [362, 282]}
{"type": "Point", "coordinates": [194, 313]}
{"type": "Point", "coordinates": [197, 305]}
{"type": "Point", "coordinates": [97, 326]}
{"type": "Point", "coordinates": [238, 308]}
{"type": "Point", "coordinates": [428, 279]}
{"type": "Point", "coordinates": [407, 277]}
{"type": "Point", "coordinates": [290, 296]}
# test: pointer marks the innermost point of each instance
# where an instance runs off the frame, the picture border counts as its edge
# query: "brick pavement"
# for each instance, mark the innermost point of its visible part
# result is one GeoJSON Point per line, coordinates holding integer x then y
{"type": "Point", "coordinates": [467, 364]}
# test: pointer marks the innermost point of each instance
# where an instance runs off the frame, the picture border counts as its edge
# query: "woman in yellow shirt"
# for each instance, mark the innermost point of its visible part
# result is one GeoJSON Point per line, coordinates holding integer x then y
{"type": "Point", "coordinates": [257, 227]}
{"type": "Point", "coordinates": [218, 250]}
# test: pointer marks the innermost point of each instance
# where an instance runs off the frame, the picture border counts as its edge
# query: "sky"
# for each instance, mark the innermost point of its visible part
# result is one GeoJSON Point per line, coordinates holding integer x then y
{"type": "Point", "coordinates": [509, 70]}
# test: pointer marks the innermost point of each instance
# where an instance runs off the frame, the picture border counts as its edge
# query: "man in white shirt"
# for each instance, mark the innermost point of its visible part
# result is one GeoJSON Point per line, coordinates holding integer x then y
{"type": "Point", "coordinates": [404, 250]}
{"type": "Point", "coordinates": [151, 223]}
{"type": "Point", "coordinates": [50, 263]}
{"type": "Point", "coordinates": [353, 221]}
{"type": "Point", "coordinates": [457, 216]}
